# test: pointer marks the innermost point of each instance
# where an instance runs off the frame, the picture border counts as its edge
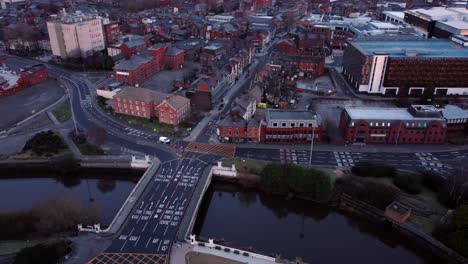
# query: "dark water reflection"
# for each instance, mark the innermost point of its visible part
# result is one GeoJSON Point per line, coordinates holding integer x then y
{"type": "Point", "coordinates": [319, 234]}
{"type": "Point", "coordinates": [108, 193]}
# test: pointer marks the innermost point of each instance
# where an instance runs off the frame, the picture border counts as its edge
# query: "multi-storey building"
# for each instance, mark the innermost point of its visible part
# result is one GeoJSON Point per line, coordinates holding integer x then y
{"type": "Point", "coordinates": [439, 22]}
{"type": "Point", "coordinates": [137, 68]}
{"type": "Point", "coordinates": [419, 124]}
{"type": "Point", "coordinates": [75, 35]}
{"type": "Point", "coordinates": [292, 127]}
{"type": "Point", "coordinates": [208, 89]}
{"type": "Point", "coordinates": [167, 108]}
{"type": "Point", "coordinates": [407, 67]}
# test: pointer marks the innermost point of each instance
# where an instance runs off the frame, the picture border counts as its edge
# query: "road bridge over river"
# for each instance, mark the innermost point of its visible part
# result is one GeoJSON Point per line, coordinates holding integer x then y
{"type": "Point", "coordinates": [151, 227]}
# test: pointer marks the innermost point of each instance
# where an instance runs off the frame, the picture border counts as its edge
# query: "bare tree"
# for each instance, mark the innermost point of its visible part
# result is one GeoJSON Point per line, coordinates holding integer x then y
{"type": "Point", "coordinates": [97, 135]}
{"type": "Point", "coordinates": [60, 214]}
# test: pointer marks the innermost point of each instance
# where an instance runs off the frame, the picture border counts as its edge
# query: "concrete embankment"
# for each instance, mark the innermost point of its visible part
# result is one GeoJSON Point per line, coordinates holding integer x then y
{"type": "Point", "coordinates": [68, 164]}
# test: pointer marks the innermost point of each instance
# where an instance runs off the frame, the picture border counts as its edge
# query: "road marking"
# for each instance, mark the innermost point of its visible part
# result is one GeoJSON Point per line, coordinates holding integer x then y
{"type": "Point", "coordinates": [148, 242]}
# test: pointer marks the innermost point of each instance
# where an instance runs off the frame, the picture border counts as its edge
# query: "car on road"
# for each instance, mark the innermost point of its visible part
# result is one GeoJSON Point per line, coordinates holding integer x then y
{"type": "Point", "coordinates": [221, 106]}
{"type": "Point", "coordinates": [164, 140]}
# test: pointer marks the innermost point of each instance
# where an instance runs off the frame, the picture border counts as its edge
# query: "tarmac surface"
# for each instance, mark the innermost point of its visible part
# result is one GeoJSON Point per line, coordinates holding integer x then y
{"type": "Point", "coordinates": [21, 105]}
{"type": "Point", "coordinates": [151, 228]}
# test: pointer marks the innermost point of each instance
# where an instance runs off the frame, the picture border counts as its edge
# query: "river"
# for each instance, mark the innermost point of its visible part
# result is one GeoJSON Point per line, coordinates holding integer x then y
{"type": "Point", "coordinates": [270, 224]}
{"type": "Point", "coordinates": [108, 194]}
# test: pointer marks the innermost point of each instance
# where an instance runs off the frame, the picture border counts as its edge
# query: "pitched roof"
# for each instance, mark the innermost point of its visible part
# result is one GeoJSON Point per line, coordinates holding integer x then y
{"type": "Point", "coordinates": [176, 101]}
{"type": "Point", "coordinates": [147, 96]}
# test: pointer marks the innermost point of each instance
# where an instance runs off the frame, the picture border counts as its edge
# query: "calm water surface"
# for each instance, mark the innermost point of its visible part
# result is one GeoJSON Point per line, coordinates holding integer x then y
{"type": "Point", "coordinates": [271, 224]}
{"type": "Point", "coordinates": [23, 193]}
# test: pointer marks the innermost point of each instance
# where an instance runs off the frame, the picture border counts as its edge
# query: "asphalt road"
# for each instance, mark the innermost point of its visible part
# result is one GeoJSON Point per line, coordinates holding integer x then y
{"type": "Point", "coordinates": [152, 225]}
{"type": "Point", "coordinates": [418, 161]}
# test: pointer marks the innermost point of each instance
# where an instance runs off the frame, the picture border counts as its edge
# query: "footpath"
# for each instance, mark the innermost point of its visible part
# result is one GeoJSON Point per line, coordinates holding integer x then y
{"type": "Point", "coordinates": [360, 148]}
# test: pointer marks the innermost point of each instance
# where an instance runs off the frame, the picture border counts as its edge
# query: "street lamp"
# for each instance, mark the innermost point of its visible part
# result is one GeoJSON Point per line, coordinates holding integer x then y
{"type": "Point", "coordinates": [312, 143]}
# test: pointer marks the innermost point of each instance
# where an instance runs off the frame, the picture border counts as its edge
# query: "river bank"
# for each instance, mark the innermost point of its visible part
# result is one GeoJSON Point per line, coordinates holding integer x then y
{"type": "Point", "coordinates": [68, 165]}
{"type": "Point", "coordinates": [353, 207]}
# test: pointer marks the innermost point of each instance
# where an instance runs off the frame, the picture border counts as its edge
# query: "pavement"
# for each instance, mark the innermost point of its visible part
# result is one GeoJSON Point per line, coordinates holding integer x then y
{"type": "Point", "coordinates": [27, 102]}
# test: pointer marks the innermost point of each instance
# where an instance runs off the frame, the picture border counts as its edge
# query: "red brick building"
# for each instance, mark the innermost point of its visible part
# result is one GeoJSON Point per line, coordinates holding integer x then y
{"type": "Point", "coordinates": [415, 125]}
{"type": "Point", "coordinates": [167, 108]}
{"type": "Point", "coordinates": [12, 82]}
{"type": "Point", "coordinates": [112, 32]}
{"type": "Point", "coordinates": [235, 129]}
{"type": "Point", "coordinates": [314, 66]}
{"type": "Point", "coordinates": [137, 68]}
{"type": "Point", "coordinates": [174, 58]}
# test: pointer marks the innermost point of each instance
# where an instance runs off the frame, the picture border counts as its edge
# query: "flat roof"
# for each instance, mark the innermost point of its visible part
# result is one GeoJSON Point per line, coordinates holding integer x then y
{"type": "Point", "coordinates": [291, 114]}
{"type": "Point", "coordinates": [397, 14]}
{"type": "Point", "coordinates": [458, 24]}
{"type": "Point", "coordinates": [383, 25]}
{"type": "Point", "coordinates": [385, 113]}
{"type": "Point", "coordinates": [407, 47]}
{"type": "Point", "coordinates": [454, 112]}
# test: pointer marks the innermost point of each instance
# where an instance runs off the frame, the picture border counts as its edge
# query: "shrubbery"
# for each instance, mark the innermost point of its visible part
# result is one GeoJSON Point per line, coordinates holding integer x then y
{"type": "Point", "coordinates": [369, 169]}
{"type": "Point", "coordinates": [296, 179]}
{"type": "Point", "coordinates": [45, 143]}
{"type": "Point", "coordinates": [374, 193]}
{"type": "Point", "coordinates": [454, 232]}
{"type": "Point", "coordinates": [50, 253]}
{"type": "Point", "coordinates": [408, 182]}
{"type": "Point", "coordinates": [54, 216]}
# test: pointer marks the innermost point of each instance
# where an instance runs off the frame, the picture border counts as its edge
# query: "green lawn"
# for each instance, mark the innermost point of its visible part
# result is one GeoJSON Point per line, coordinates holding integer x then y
{"type": "Point", "coordinates": [89, 149]}
{"type": "Point", "coordinates": [11, 247]}
{"type": "Point", "coordinates": [247, 165]}
{"type": "Point", "coordinates": [63, 112]}
{"type": "Point", "coordinates": [155, 126]}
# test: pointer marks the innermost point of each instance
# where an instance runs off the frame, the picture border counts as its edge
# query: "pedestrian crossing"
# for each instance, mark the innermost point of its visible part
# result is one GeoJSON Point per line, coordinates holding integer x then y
{"type": "Point", "coordinates": [346, 159]}
{"type": "Point", "coordinates": [429, 162]}
{"type": "Point", "coordinates": [291, 156]}
{"type": "Point", "coordinates": [218, 150]}
{"type": "Point", "coordinates": [117, 258]}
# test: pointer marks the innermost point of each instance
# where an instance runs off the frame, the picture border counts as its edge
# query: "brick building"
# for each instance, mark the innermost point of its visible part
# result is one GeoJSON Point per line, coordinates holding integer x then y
{"type": "Point", "coordinates": [407, 67]}
{"type": "Point", "coordinates": [111, 32]}
{"type": "Point", "coordinates": [137, 68]}
{"type": "Point", "coordinates": [208, 89]}
{"type": "Point", "coordinates": [128, 45]}
{"type": "Point", "coordinates": [419, 124]}
{"type": "Point", "coordinates": [14, 79]}
{"type": "Point", "coordinates": [173, 58]}
{"type": "Point", "coordinates": [167, 108]}
{"type": "Point", "coordinates": [292, 127]}
{"type": "Point", "coordinates": [314, 66]}
{"type": "Point", "coordinates": [457, 121]}
{"type": "Point", "coordinates": [235, 129]}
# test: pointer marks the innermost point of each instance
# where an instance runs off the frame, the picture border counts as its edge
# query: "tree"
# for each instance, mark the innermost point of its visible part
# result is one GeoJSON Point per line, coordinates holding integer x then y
{"type": "Point", "coordinates": [408, 182]}
{"type": "Point", "coordinates": [46, 253]}
{"type": "Point", "coordinates": [97, 135]}
{"type": "Point", "coordinates": [59, 215]}
{"type": "Point", "coordinates": [45, 143]}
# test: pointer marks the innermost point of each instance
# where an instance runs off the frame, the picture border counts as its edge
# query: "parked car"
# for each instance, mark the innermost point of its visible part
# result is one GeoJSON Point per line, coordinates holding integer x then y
{"type": "Point", "coordinates": [164, 140]}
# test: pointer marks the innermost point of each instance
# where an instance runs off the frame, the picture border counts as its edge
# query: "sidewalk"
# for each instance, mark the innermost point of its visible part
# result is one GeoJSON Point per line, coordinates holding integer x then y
{"type": "Point", "coordinates": [359, 148]}
{"type": "Point", "coordinates": [230, 96]}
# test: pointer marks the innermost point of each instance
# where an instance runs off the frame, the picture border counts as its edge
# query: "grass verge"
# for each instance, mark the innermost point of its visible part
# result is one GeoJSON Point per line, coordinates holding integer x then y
{"type": "Point", "coordinates": [63, 112]}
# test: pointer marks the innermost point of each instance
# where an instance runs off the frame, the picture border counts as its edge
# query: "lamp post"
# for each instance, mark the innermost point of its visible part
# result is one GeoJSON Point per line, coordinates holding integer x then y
{"type": "Point", "coordinates": [312, 145]}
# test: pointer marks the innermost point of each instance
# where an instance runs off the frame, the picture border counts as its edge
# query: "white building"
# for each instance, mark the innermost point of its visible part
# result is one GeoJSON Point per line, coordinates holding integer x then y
{"type": "Point", "coordinates": [75, 35]}
{"type": "Point", "coordinates": [7, 3]}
